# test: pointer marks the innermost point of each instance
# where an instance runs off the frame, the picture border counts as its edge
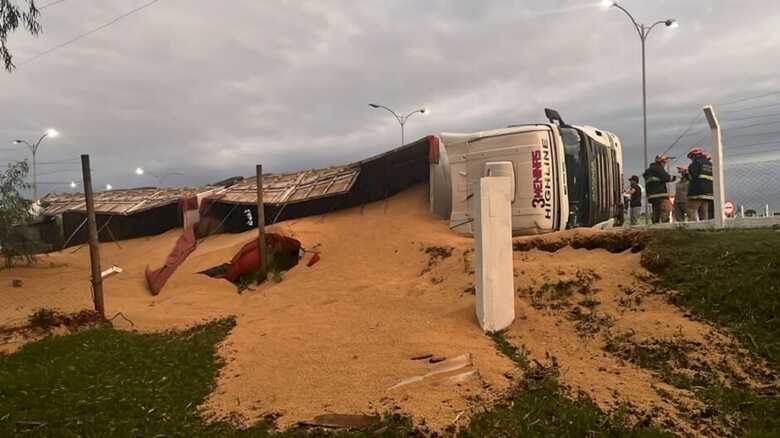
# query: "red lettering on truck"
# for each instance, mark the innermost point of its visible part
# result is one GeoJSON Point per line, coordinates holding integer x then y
{"type": "Point", "coordinates": [536, 165]}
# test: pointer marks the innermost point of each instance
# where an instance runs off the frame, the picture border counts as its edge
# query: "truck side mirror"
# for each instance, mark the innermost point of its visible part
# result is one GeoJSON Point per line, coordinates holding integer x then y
{"type": "Point", "coordinates": [553, 116]}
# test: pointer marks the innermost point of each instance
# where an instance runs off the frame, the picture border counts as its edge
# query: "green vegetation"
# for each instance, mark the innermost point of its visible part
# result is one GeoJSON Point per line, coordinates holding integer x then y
{"type": "Point", "coordinates": [17, 241]}
{"type": "Point", "coordinates": [106, 382]}
{"type": "Point", "coordinates": [556, 294]}
{"type": "Point", "coordinates": [729, 278]}
{"type": "Point", "coordinates": [540, 407]}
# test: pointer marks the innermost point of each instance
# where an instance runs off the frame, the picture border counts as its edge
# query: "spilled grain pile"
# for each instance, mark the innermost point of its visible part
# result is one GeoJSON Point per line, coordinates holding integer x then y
{"type": "Point", "coordinates": [360, 331]}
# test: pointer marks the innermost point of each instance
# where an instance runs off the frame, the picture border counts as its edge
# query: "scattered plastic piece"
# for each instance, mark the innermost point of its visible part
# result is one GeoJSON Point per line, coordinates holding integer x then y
{"type": "Point", "coordinates": [110, 271]}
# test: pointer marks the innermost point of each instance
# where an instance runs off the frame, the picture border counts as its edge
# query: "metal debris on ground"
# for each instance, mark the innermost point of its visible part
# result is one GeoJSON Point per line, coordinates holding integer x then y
{"type": "Point", "coordinates": [341, 421]}
{"type": "Point", "coordinates": [446, 366]}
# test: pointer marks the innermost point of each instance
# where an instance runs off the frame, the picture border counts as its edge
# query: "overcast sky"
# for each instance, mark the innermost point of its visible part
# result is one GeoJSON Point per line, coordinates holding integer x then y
{"type": "Point", "coordinates": [211, 88]}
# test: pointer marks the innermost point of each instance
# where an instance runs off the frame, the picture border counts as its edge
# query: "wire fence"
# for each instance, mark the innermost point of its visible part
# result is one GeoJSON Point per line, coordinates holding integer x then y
{"type": "Point", "coordinates": [753, 186]}
{"type": "Point", "coordinates": [751, 149]}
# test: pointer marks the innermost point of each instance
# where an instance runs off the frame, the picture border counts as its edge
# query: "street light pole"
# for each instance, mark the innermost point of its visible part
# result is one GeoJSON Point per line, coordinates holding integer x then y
{"type": "Point", "coordinates": [643, 32]}
{"type": "Point", "coordinates": [401, 119]}
{"type": "Point", "coordinates": [34, 150]}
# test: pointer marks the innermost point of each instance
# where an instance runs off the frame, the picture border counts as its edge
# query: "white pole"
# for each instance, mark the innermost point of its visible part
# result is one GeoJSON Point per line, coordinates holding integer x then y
{"type": "Point", "coordinates": [767, 210]}
{"type": "Point", "coordinates": [495, 290]}
{"type": "Point", "coordinates": [742, 211]}
{"type": "Point", "coordinates": [717, 165]}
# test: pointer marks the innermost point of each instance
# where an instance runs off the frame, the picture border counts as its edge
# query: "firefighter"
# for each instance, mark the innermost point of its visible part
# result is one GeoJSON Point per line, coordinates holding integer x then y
{"type": "Point", "coordinates": [700, 188]}
{"type": "Point", "coordinates": [656, 178]}
{"type": "Point", "coordinates": [681, 193]}
{"type": "Point", "coordinates": [635, 199]}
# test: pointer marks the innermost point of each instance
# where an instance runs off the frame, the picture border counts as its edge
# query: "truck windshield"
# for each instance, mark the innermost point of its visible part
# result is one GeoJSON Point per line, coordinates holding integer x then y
{"type": "Point", "coordinates": [576, 175]}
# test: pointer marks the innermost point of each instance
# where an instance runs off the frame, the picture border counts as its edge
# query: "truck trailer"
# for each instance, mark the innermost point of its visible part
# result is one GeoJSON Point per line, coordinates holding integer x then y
{"type": "Point", "coordinates": [564, 176]}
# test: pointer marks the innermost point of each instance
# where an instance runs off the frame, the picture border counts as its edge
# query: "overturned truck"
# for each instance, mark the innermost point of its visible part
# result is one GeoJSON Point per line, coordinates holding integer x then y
{"type": "Point", "coordinates": [563, 176]}
{"type": "Point", "coordinates": [319, 191]}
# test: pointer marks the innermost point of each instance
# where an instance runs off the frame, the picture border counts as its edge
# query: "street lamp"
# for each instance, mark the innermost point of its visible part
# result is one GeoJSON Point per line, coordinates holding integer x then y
{"type": "Point", "coordinates": [109, 187]}
{"type": "Point", "coordinates": [73, 184]}
{"type": "Point", "coordinates": [34, 149]}
{"type": "Point", "coordinates": [401, 119]}
{"type": "Point", "coordinates": [643, 31]}
{"type": "Point", "coordinates": [160, 177]}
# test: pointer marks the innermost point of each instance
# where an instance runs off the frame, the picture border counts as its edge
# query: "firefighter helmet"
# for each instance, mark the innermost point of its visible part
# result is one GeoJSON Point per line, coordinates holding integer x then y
{"type": "Point", "coordinates": [695, 151]}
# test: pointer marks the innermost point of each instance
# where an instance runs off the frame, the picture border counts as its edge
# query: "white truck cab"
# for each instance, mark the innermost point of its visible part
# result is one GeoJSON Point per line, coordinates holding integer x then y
{"type": "Point", "coordinates": [564, 176]}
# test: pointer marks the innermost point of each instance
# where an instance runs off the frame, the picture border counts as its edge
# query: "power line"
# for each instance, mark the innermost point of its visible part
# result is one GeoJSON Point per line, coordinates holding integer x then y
{"type": "Point", "coordinates": [751, 108]}
{"type": "Point", "coordinates": [690, 125]}
{"type": "Point", "coordinates": [55, 2]}
{"type": "Point", "coordinates": [64, 162]}
{"type": "Point", "coordinates": [752, 153]}
{"type": "Point", "coordinates": [753, 144]}
{"type": "Point", "coordinates": [753, 134]}
{"type": "Point", "coordinates": [690, 134]}
{"type": "Point", "coordinates": [90, 32]}
{"type": "Point", "coordinates": [736, 128]}
{"type": "Point", "coordinates": [54, 172]}
{"type": "Point", "coordinates": [752, 117]}
{"type": "Point", "coordinates": [745, 99]}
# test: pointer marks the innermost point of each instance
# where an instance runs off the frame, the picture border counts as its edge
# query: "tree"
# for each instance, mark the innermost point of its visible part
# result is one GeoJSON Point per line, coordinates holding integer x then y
{"type": "Point", "coordinates": [11, 17]}
{"type": "Point", "coordinates": [15, 214]}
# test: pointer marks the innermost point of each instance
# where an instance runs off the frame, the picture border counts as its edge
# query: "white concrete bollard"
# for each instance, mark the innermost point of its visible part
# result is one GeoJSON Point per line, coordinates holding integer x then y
{"type": "Point", "coordinates": [493, 241]}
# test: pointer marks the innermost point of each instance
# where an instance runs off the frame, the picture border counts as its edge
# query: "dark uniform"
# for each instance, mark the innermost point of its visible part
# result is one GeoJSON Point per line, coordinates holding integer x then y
{"type": "Point", "coordinates": [656, 178]}
{"type": "Point", "coordinates": [700, 193]}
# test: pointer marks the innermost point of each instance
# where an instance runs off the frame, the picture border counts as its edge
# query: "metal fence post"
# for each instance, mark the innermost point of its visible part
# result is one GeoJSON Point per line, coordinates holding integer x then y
{"type": "Point", "coordinates": [717, 165]}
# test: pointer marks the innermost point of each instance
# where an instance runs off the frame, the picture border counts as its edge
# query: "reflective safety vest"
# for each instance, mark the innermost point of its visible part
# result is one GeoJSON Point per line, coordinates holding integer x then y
{"type": "Point", "coordinates": [656, 178]}
{"type": "Point", "coordinates": [700, 171]}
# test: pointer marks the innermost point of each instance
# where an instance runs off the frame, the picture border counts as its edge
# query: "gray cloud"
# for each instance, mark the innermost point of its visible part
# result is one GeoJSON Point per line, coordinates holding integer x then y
{"type": "Point", "coordinates": [211, 88]}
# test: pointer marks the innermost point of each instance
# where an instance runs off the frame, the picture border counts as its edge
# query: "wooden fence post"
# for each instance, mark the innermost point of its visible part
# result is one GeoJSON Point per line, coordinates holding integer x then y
{"type": "Point", "coordinates": [261, 226]}
{"type": "Point", "coordinates": [94, 249]}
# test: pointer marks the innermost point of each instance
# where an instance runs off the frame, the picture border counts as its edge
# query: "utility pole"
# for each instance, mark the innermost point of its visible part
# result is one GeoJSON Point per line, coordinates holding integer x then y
{"type": "Point", "coordinates": [261, 249]}
{"type": "Point", "coordinates": [94, 249]}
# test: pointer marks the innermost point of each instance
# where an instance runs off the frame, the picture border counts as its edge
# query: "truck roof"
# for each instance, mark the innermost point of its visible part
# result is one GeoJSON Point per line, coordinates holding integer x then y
{"type": "Point", "coordinates": [595, 133]}
{"type": "Point", "coordinates": [454, 137]}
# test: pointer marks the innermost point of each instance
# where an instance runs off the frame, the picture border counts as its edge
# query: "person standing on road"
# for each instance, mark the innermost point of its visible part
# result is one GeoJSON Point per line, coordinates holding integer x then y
{"type": "Point", "coordinates": [700, 188]}
{"type": "Point", "coordinates": [656, 178]}
{"type": "Point", "coordinates": [635, 200]}
{"type": "Point", "coordinates": [681, 194]}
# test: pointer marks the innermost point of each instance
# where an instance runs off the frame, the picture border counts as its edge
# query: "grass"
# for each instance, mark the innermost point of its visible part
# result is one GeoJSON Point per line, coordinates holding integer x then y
{"type": "Point", "coordinates": [556, 294]}
{"type": "Point", "coordinates": [106, 382]}
{"type": "Point", "coordinates": [729, 278]}
{"type": "Point", "coordinates": [540, 406]}
{"type": "Point", "coordinates": [666, 357]}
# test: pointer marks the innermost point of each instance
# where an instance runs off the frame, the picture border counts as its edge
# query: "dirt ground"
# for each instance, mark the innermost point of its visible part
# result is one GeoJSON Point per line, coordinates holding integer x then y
{"type": "Point", "coordinates": [392, 284]}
